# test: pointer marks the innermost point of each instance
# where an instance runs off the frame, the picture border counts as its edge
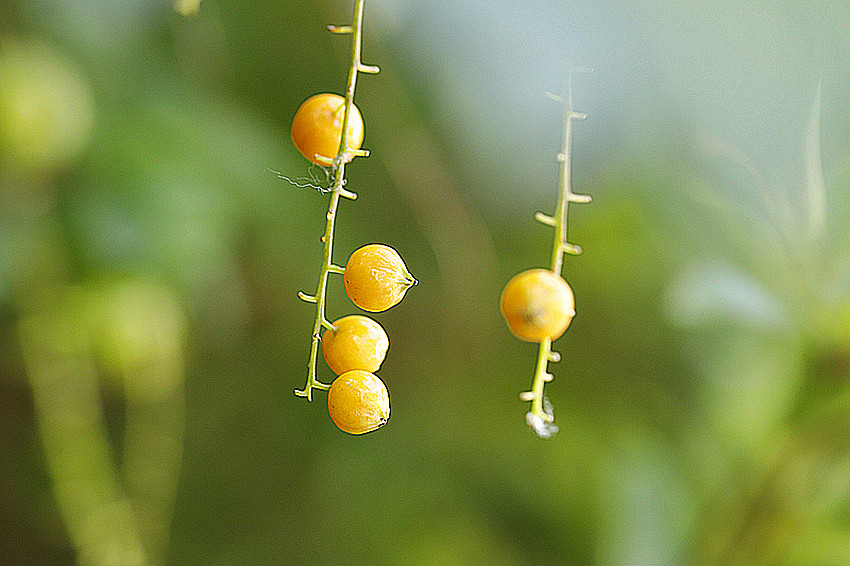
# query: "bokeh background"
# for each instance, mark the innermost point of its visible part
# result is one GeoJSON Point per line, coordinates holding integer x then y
{"type": "Point", "coordinates": [151, 337]}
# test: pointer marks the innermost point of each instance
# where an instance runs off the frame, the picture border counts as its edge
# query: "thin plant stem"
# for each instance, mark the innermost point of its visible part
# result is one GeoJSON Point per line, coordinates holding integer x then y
{"type": "Point", "coordinates": [338, 190]}
{"type": "Point", "coordinates": [540, 417]}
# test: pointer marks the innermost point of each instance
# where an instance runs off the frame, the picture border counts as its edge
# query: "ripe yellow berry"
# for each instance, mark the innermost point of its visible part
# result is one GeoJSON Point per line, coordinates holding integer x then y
{"type": "Point", "coordinates": [317, 127]}
{"type": "Point", "coordinates": [358, 402]}
{"type": "Point", "coordinates": [357, 343]}
{"type": "Point", "coordinates": [376, 278]}
{"type": "Point", "coordinates": [537, 304]}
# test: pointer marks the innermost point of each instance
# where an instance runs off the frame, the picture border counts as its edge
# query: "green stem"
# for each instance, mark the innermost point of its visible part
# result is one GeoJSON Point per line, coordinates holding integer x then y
{"type": "Point", "coordinates": [540, 418]}
{"type": "Point", "coordinates": [344, 154]}
{"type": "Point", "coordinates": [99, 516]}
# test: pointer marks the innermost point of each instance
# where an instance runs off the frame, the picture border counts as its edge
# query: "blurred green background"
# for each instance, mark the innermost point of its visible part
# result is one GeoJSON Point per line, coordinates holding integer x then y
{"type": "Point", "coordinates": [151, 337]}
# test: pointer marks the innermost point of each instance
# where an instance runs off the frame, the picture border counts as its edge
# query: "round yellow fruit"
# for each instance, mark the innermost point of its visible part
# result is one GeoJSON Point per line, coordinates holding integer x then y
{"type": "Point", "coordinates": [317, 127]}
{"type": "Point", "coordinates": [376, 278]}
{"type": "Point", "coordinates": [358, 402]}
{"type": "Point", "coordinates": [357, 343]}
{"type": "Point", "coordinates": [537, 304]}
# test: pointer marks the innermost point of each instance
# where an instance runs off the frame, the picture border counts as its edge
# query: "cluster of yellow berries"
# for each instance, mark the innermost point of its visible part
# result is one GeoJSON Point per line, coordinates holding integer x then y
{"type": "Point", "coordinates": [375, 279]}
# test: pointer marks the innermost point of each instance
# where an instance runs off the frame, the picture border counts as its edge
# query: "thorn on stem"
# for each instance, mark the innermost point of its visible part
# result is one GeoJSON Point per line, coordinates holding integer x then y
{"type": "Point", "coordinates": [326, 161]}
{"type": "Point", "coordinates": [347, 194]}
{"type": "Point", "coordinates": [369, 69]}
{"type": "Point", "coordinates": [339, 29]}
{"type": "Point", "coordinates": [544, 219]}
{"type": "Point", "coordinates": [527, 396]}
{"type": "Point", "coordinates": [571, 249]}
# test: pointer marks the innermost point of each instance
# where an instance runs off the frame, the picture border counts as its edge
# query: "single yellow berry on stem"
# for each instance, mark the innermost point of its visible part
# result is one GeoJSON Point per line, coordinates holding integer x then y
{"type": "Point", "coordinates": [537, 304]}
{"type": "Point", "coordinates": [358, 402]}
{"type": "Point", "coordinates": [376, 278]}
{"type": "Point", "coordinates": [317, 128]}
{"type": "Point", "coordinates": [357, 343]}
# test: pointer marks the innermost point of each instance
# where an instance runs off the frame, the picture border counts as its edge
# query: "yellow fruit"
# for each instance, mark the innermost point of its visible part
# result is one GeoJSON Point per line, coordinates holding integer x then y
{"type": "Point", "coordinates": [376, 278]}
{"type": "Point", "coordinates": [358, 402]}
{"type": "Point", "coordinates": [317, 127]}
{"type": "Point", "coordinates": [537, 304]}
{"type": "Point", "coordinates": [358, 343]}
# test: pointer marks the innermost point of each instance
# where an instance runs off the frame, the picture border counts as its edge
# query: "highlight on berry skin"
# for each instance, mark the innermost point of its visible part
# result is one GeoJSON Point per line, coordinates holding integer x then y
{"type": "Point", "coordinates": [376, 278]}
{"type": "Point", "coordinates": [358, 402]}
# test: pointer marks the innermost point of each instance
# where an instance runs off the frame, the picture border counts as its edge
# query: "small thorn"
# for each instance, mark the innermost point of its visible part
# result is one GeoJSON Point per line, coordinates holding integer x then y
{"type": "Point", "coordinates": [561, 157]}
{"type": "Point", "coordinates": [579, 199]}
{"type": "Point", "coordinates": [347, 194]}
{"type": "Point", "coordinates": [547, 377]}
{"type": "Point", "coordinates": [527, 396]}
{"type": "Point", "coordinates": [554, 357]}
{"type": "Point", "coordinates": [544, 219]}
{"type": "Point", "coordinates": [339, 29]}
{"type": "Point", "coordinates": [369, 69]}
{"type": "Point", "coordinates": [571, 249]}
{"type": "Point", "coordinates": [322, 238]}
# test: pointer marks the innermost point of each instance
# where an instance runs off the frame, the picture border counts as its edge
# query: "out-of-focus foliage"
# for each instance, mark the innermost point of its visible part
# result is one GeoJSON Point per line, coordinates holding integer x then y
{"type": "Point", "coordinates": [151, 337]}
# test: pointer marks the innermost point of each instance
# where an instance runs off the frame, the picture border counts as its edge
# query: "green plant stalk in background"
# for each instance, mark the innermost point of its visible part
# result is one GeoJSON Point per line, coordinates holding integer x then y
{"type": "Point", "coordinates": [95, 508]}
{"type": "Point", "coordinates": [338, 190]}
{"type": "Point", "coordinates": [540, 417]}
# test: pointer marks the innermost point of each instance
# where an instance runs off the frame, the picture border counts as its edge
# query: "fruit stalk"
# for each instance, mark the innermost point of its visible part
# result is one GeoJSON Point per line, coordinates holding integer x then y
{"type": "Point", "coordinates": [540, 417]}
{"type": "Point", "coordinates": [338, 190]}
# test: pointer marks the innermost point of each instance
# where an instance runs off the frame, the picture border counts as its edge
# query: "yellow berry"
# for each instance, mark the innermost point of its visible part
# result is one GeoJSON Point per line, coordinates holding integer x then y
{"type": "Point", "coordinates": [537, 304]}
{"type": "Point", "coordinates": [357, 343]}
{"type": "Point", "coordinates": [358, 402]}
{"type": "Point", "coordinates": [317, 127]}
{"type": "Point", "coordinates": [376, 278]}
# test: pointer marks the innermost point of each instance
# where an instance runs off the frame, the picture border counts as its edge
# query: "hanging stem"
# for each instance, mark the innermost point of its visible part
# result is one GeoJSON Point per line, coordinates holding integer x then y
{"type": "Point", "coordinates": [338, 190]}
{"type": "Point", "coordinates": [540, 417]}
